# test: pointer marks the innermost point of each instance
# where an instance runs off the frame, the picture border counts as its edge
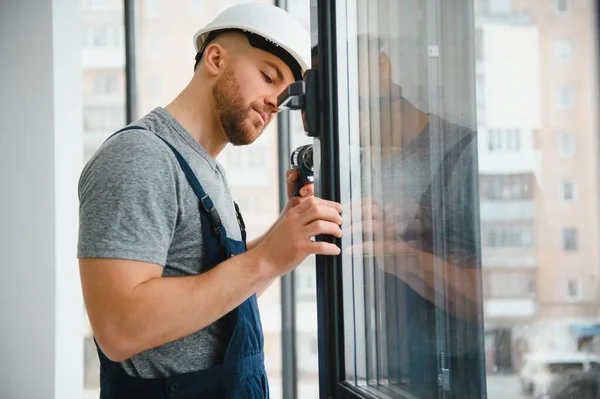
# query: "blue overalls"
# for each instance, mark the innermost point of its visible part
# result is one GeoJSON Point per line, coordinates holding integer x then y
{"type": "Point", "coordinates": [242, 373]}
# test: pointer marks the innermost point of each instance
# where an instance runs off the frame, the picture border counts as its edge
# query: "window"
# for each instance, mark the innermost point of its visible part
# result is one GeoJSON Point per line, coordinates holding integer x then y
{"type": "Point", "coordinates": [570, 239]}
{"type": "Point", "coordinates": [506, 187]}
{"type": "Point", "coordinates": [104, 36]}
{"type": "Point", "coordinates": [569, 191]}
{"type": "Point", "coordinates": [563, 50]}
{"type": "Point", "coordinates": [563, 7]}
{"type": "Point", "coordinates": [106, 84]}
{"type": "Point", "coordinates": [565, 97]}
{"type": "Point", "coordinates": [566, 144]}
{"type": "Point", "coordinates": [306, 283]}
{"type": "Point", "coordinates": [573, 289]}
{"type": "Point", "coordinates": [504, 139]}
{"type": "Point", "coordinates": [508, 236]}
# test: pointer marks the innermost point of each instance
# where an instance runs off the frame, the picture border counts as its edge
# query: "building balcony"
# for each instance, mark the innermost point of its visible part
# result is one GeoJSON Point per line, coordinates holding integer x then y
{"type": "Point", "coordinates": [510, 308]}
{"type": "Point", "coordinates": [507, 211]}
{"type": "Point", "coordinates": [509, 258]}
{"type": "Point", "coordinates": [103, 58]}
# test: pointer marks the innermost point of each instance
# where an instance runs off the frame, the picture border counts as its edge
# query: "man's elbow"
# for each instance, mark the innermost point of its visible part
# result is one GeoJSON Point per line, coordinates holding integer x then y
{"type": "Point", "coordinates": [115, 345]}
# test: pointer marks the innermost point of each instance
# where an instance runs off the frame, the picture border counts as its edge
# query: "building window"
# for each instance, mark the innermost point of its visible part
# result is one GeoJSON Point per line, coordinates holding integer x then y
{"type": "Point", "coordinates": [563, 7]}
{"type": "Point", "coordinates": [505, 187]}
{"type": "Point", "coordinates": [509, 236]}
{"type": "Point", "coordinates": [504, 140]}
{"type": "Point", "coordinates": [104, 36]}
{"type": "Point", "coordinates": [565, 97]}
{"type": "Point", "coordinates": [568, 191]}
{"type": "Point", "coordinates": [570, 239]}
{"type": "Point", "coordinates": [305, 280]}
{"type": "Point", "coordinates": [563, 50]}
{"type": "Point", "coordinates": [106, 85]}
{"type": "Point", "coordinates": [566, 144]}
{"type": "Point", "coordinates": [573, 289]}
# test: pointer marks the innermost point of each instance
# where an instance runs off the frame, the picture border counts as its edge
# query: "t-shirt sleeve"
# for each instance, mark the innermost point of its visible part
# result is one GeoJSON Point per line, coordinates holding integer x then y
{"type": "Point", "coordinates": [128, 200]}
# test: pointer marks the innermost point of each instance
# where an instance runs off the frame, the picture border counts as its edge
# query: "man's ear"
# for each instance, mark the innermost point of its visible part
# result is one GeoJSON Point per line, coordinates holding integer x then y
{"type": "Point", "coordinates": [214, 55]}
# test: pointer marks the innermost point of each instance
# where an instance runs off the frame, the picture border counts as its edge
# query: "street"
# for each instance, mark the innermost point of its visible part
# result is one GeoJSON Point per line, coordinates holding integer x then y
{"type": "Point", "coordinates": [504, 387]}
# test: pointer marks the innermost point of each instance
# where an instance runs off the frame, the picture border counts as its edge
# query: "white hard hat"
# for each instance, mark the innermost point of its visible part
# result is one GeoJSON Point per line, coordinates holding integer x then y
{"type": "Point", "coordinates": [268, 27]}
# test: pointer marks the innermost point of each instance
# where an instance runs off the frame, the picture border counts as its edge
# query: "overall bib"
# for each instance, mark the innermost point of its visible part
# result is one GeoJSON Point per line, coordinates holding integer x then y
{"type": "Point", "coordinates": [242, 374]}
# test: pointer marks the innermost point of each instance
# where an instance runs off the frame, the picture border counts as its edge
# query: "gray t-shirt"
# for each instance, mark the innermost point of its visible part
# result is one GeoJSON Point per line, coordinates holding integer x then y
{"type": "Point", "coordinates": [135, 203]}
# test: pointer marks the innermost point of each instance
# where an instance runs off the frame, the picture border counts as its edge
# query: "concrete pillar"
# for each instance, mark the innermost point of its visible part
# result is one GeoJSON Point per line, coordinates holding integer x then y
{"type": "Point", "coordinates": [41, 310]}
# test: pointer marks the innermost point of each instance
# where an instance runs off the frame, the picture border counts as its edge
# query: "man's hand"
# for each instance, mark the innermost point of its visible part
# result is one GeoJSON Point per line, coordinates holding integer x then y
{"type": "Point", "coordinates": [376, 236]}
{"type": "Point", "coordinates": [307, 191]}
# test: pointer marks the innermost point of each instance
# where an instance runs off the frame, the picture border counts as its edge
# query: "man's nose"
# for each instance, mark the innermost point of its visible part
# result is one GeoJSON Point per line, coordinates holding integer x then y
{"type": "Point", "coordinates": [271, 104]}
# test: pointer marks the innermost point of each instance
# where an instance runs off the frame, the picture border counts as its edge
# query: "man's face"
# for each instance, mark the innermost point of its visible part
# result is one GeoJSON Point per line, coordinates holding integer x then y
{"type": "Point", "coordinates": [246, 94]}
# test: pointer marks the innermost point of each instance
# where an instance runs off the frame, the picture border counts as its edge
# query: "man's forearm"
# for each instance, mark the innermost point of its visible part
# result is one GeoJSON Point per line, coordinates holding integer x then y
{"type": "Point", "coordinates": [165, 309]}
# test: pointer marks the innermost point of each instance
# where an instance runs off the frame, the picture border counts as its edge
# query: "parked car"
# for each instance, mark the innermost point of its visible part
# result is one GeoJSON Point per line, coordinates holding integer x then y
{"type": "Point", "coordinates": [574, 385]}
{"type": "Point", "coordinates": [541, 369]}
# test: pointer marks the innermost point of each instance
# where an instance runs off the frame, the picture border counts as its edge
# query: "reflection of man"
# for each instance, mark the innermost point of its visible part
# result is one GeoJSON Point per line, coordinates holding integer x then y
{"type": "Point", "coordinates": [421, 228]}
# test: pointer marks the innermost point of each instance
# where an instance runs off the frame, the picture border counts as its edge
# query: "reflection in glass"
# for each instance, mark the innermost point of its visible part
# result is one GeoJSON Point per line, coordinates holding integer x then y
{"type": "Point", "coordinates": [412, 244]}
{"type": "Point", "coordinates": [468, 158]}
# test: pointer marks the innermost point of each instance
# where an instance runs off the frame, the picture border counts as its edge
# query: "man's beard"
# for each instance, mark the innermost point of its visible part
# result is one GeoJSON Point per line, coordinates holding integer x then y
{"type": "Point", "coordinates": [233, 113]}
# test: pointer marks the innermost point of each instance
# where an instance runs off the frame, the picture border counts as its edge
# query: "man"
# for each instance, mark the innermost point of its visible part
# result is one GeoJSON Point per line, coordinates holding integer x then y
{"type": "Point", "coordinates": [169, 283]}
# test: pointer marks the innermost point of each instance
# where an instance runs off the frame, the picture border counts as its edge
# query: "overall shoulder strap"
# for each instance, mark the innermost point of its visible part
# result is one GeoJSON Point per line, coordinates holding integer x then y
{"type": "Point", "coordinates": [206, 204]}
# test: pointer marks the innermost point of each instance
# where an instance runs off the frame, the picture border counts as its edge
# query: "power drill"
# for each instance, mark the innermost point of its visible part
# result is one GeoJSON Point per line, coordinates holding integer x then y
{"type": "Point", "coordinates": [302, 161]}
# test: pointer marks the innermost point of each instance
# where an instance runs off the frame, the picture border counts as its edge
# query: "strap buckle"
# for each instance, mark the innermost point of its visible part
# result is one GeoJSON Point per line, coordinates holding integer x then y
{"type": "Point", "coordinates": [212, 213]}
{"type": "Point", "coordinates": [240, 220]}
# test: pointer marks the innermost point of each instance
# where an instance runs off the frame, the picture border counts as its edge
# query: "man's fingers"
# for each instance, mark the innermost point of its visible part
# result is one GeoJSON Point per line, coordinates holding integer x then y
{"type": "Point", "coordinates": [323, 248]}
{"type": "Point", "coordinates": [314, 202]}
{"type": "Point", "coordinates": [323, 227]}
{"type": "Point", "coordinates": [322, 212]}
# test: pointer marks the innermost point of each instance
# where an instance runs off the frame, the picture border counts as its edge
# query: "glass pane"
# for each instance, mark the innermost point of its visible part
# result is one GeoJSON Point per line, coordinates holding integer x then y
{"type": "Point", "coordinates": [468, 165]}
{"type": "Point", "coordinates": [103, 83]}
{"type": "Point", "coordinates": [305, 278]}
{"type": "Point", "coordinates": [539, 68]}
{"type": "Point", "coordinates": [408, 169]}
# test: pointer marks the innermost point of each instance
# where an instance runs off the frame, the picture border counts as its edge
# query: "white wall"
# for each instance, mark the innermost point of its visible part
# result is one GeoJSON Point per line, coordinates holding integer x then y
{"type": "Point", "coordinates": [41, 313]}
